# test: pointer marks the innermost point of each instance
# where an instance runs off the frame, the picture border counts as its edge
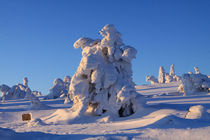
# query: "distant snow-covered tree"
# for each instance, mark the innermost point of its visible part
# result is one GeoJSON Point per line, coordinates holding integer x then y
{"type": "Point", "coordinates": [161, 76]}
{"type": "Point", "coordinates": [172, 71]}
{"type": "Point", "coordinates": [195, 83]}
{"type": "Point", "coordinates": [152, 79]}
{"type": "Point", "coordinates": [57, 89]}
{"type": "Point", "coordinates": [197, 71]}
{"type": "Point", "coordinates": [4, 89]}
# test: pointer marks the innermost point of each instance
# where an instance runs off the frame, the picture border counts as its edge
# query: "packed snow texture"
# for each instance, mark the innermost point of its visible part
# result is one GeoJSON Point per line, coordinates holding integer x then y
{"type": "Point", "coordinates": [164, 77]}
{"type": "Point", "coordinates": [194, 83]}
{"type": "Point", "coordinates": [60, 88]}
{"type": "Point", "coordinates": [103, 82]}
{"type": "Point", "coordinates": [165, 117]}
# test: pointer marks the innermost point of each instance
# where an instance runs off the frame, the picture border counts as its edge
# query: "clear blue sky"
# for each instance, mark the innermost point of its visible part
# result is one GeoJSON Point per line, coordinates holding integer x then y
{"type": "Point", "coordinates": [37, 36]}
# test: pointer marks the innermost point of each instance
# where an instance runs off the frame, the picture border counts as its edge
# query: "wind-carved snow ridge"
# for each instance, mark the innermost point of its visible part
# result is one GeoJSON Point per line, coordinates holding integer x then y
{"type": "Point", "coordinates": [60, 88]}
{"type": "Point", "coordinates": [193, 84]}
{"type": "Point", "coordinates": [103, 82]}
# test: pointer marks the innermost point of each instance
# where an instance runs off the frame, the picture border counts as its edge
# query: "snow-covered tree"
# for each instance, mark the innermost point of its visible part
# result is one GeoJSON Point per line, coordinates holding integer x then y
{"type": "Point", "coordinates": [18, 91]}
{"type": "Point", "coordinates": [152, 79]}
{"type": "Point", "coordinates": [161, 76]}
{"type": "Point", "coordinates": [67, 80]}
{"type": "Point", "coordinates": [195, 83]}
{"type": "Point", "coordinates": [103, 81]}
{"type": "Point", "coordinates": [197, 71]}
{"type": "Point", "coordinates": [37, 93]}
{"type": "Point", "coordinates": [25, 81]}
{"type": "Point", "coordinates": [4, 89]}
{"type": "Point", "coordinates": [172, 72]}
{"type": "Point", "coordinates": [57, 89]}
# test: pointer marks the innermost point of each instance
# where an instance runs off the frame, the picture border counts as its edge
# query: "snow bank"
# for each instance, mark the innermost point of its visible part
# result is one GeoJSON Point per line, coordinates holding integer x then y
{"type": "Point", "coordinates": [103, 81]}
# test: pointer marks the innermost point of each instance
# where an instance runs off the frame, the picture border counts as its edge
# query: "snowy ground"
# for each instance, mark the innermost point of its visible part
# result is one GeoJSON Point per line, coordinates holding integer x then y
{"type": "Point", "coordinates": [164, 118]}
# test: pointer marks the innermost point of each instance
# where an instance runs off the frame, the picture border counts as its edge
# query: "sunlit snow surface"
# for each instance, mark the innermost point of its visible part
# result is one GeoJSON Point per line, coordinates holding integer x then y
{"type": "Point", "coordinates": [163, 118]}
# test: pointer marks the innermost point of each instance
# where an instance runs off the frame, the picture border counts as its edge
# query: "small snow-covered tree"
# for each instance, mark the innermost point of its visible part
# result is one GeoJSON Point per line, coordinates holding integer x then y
{"type": "Point", "coordinates": [67, 80]}
{"type": "Point", "coordinates": [168, 78]}
{"type": "Point", "coordinates": [172, 72]}
{"type": "Point", "coordinates": [18, 91]}
{"type": "Point", "coordinates": [152, 79]}
{"type": "Point", "coordinates": [197, 71]}
{"type": "Point", "coordinates": [103, 80]}
{"type": "Point", "coordinates": [57, 89]}
{"type": "Point", "coordinates": [4, 89]}
{"type": "Point", "coordinates": [161, 76]}
{"type": "Point", "coordinates": [195, 83]}
{"type": "Point", "coordinates": [25, 81]}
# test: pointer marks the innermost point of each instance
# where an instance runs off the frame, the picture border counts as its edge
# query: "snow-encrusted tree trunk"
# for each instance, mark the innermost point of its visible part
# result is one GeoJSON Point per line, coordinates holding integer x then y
{"type": "Point", "coordinates": [161, 76]}
{"type": "Point", "coordinates": [103, 80]}
{"type": "Point", "coordinates": [172, 72]}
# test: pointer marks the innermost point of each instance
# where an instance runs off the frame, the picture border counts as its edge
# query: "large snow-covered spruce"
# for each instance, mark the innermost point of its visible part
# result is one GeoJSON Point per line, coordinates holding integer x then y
{"type": "Point", "coordinates": [103, 81]}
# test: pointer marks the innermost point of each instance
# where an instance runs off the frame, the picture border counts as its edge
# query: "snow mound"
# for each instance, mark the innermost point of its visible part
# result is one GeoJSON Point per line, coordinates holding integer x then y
{"type": "Point", "coordinates": [196, 112]}
{"type": "Point", "coordinates": [35, 122]}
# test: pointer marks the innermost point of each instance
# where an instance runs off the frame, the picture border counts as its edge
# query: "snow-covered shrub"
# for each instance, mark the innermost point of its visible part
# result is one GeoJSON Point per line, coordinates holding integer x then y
{"type": "Point", "coordinates": [57, 89]}
{"type": "Point", "coordinates": [152, 79]}
{"type": "Point", "coordinates": [103, 80]}
{"type": "Point", "coordinates": [161, 76]}
{"type": "Point", "coordinates": [195, 83]}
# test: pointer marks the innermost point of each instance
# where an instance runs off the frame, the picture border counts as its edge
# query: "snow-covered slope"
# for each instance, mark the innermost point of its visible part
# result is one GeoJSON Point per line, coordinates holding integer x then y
{"type": "Point", "coordinates": [167, 116]}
